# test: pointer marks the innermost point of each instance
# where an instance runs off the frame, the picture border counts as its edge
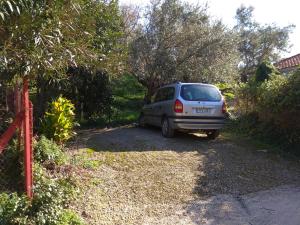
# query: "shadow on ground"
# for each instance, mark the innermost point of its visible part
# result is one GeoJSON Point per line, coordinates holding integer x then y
{"type": "Point", "coordinates": [224, 168]}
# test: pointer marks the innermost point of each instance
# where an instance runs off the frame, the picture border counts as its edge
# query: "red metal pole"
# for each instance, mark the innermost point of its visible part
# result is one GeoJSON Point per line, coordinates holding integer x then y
{"type": "Point", "coordinates": [8, 134]}
{"type": "Point", "coordinates": [31, 139]}
{"type": "Point", "coordinates": [27, 144]}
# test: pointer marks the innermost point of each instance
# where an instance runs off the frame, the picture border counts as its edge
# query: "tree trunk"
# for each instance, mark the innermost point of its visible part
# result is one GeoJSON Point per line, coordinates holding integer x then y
{"type": "Point", "coordinates": [150, 92]}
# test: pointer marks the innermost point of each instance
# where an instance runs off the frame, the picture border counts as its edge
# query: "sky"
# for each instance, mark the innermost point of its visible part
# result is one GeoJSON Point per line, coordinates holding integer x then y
{"type": "Point", "coordinates": [283, 13]}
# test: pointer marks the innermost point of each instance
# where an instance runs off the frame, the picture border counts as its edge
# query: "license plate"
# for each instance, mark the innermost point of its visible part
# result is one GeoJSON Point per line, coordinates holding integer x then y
{"type": "Point", "coordinates": [202, 110]}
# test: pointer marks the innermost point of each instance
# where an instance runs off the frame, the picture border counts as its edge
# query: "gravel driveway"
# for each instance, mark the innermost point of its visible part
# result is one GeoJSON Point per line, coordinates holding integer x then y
{"type": "Point", "coordinates": [143, 178]}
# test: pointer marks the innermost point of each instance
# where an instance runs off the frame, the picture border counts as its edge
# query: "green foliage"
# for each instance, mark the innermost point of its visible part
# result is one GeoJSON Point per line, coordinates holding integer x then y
{"type": "Point", "coordinates": [58, 122]}
{"type": "Point", "coordinates": [128, 96]}
{"type": "Point", "coordinates": [246, 94]}
{"type": "Point", "coordinates": [48, 207]}
{"type": "Point", "coordinates": [51, 197]}
{"type": "Point", "coordinates": [11, 168]}
{"type": "Point", "coordinates": [227, 90]}
{"type": "Point", "coordinates": [128, 99]}
{"type": "Point", "coordinates": [45, 37]}
{"type": "Point", "coordinates": [47, 150]}
{"type": "Point", "coordinates": [85, 158]}
{"type": "Point", "coordinates": [13, 209]}
{"type": "Point", "coordinates": [270, 110]}
{"type": "Point", "coordinates": [179, 41]}
{"type": "Point", "coordinates": [68, 217]}
{"type": "Point", "coordinates": [90, 92]}
{"type": "Point", "coordinates": [258, 42]}
{"type": "Point", "coordinates": [264, 71]}
{"type": "Point", "coordinates": [42, 39]}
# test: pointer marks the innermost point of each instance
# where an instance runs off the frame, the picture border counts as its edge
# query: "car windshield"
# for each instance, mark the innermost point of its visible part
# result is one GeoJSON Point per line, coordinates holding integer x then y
{"type": "Point", "coordinates": [196, 92]}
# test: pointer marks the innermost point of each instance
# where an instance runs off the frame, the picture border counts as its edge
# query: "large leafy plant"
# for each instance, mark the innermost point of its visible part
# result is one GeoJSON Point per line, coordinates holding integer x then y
{"type": "Point", "coordinates": [58, 122]}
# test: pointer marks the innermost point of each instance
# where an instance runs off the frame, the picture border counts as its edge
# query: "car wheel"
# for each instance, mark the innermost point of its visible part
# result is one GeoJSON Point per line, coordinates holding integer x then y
{"type": "Point", "coordinates": [141, 121]}
{"type": "Point", "coordinates": [166, 129]}
{"type": "Point", "coordinates": [212, 134]}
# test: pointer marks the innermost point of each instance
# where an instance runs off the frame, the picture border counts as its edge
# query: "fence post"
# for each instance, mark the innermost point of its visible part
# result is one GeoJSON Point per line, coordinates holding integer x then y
{"type": "Point", "coordinates": [27, 140]}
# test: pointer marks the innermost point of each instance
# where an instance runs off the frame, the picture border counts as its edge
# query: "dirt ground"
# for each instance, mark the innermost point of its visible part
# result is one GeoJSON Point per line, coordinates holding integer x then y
{"type": "Point", "coordinates": [135, 176]}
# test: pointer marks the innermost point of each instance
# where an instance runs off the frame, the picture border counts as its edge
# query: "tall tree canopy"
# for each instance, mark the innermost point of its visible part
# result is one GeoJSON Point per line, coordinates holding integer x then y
{"type": "Point", "coordinates": [44, 37]}
{"type": "Point", "coordinates": [181, 42]}
{"type": "Point", "coordinates": [258, 43]}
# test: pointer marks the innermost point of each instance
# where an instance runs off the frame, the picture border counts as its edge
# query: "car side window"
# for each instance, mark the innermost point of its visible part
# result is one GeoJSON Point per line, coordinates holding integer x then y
{"type": "Point", "coordinates": [169, 93]}
{"type": "Point", "coordinates": [158, 95]}
{"type": "Point", "coordinates": [165, 94]}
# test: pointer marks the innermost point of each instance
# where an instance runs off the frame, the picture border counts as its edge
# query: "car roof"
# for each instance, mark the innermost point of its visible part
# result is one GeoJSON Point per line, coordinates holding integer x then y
{"type": "Point", "coordinates": [180, 84]}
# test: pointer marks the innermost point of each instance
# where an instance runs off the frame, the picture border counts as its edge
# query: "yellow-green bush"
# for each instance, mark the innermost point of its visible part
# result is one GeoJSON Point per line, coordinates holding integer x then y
{"type": "Point", "coordinates": [58, 122]}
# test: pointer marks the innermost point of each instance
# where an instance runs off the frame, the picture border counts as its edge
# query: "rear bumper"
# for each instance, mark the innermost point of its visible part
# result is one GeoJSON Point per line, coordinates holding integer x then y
{"type": "Point", "coordinates": [197, 123]}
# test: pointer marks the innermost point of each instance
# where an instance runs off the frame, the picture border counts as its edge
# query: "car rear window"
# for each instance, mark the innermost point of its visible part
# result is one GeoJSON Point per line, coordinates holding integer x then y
{"type": "Point", "coordinates": [196, 92]}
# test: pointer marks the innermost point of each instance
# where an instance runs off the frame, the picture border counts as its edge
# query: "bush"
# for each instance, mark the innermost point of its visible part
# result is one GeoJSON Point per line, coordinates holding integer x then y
{"type": "Point", "coordinates": [227, 90]}
{"type": "Point", "coordinates": [13, 209]}
{"type": "Point", "coordinates": [48, 207]}
{"type": "Point", "coordinates": [47, 150]}
{"type": "Point", "coordinates": [11, 168]}
{"type": "Point", "coordinates": [58, 122]}
{"type": "Point", "coordinates": [264, 71]}
{"type": "Point", "coordinates": [51, 197]}
{"type": "Point", "coordinates": [68, 217]}
{"type": "Point", "coordinates": [91, 93]}
{"type": "Point", "coordinates": [274, 105]}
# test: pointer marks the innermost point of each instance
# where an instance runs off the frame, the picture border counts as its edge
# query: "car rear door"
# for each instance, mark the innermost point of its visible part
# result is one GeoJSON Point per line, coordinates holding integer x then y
{"type": "Point", "coordinates": [201, 101]}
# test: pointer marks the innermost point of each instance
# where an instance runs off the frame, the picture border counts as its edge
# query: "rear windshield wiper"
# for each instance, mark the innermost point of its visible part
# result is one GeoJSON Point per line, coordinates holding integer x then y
{"type": "Point", "coordinates": [201, 99]}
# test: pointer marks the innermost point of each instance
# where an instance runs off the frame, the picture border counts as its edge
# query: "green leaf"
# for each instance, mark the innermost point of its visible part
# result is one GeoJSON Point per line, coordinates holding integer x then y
{"type": "Point", "coordinates": [2, 15]}
{"type": "Point", "coordinates": [10, 6]}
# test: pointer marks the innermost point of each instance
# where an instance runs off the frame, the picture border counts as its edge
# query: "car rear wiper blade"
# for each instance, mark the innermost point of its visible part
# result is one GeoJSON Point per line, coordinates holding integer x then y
{"type": "Point", "coordinates": [201, 99]}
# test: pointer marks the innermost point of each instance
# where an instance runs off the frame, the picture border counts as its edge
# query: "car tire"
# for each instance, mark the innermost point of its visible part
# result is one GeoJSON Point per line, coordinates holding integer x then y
{"type": "Point", "coordinates": [141, 121]}
{"type": "Point", "coordinates": [212, 134]}
{"type": "Point", "coordinates": [166, 130]}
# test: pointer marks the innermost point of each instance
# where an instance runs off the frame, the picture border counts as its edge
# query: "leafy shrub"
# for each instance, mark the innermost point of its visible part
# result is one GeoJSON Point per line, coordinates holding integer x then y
{"type": "Point", "coordinates": [264, 71]}
{"type": "Point", "coordinates": [47, 150]}
{"type": "Point", "coordinates": [13, 209]}
{"type": "Point", "coordinates": [246, 95]}
{"type": "Point", "coordinates": [58, 122]}
{"type": "Point", "coordinates": [51, 197]}
{"type": "Point", "coordinates": [48, 207]}
{"type": "Point", "coordinates": [274, 105]}
{"type": "Point", "coordinates": [11, 167]}
{"type": "Point", "coordinates": [227, 90]}
{"type": "Point", "coordinates": [68, 217]}
{"type": "Point", "coordinates": [90, 91]}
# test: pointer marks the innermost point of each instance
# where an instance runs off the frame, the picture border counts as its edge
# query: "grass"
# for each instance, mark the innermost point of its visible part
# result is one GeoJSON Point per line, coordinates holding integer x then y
{"type": "Point", "coordinates": [245, 138]}
{"type": "Point", "coordinates": [85, 158]}
{"type": "Point", "coordinates": [128, 99]}
{"type": "Point", "coordinates": [128, 96]}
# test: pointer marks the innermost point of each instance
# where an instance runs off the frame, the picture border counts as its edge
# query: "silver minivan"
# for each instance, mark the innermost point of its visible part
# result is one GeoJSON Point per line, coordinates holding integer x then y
{"type": "Point", "coordinates": [187, 107]}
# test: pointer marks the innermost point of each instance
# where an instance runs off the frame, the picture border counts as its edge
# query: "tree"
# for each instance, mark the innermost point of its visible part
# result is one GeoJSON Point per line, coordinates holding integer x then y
{"type": "Point", "coordinates": [264, 71]}
{"type": "Point", "coordinates": [43, 39]}
{"type": "Point", "coordinates": [40, 36]}
{"type": "Point", "coordinates": [180, 42]}
{"type": "Point", "coordinates": [258, 43]}
{"type": "Point", "coordinates": [90, 92]}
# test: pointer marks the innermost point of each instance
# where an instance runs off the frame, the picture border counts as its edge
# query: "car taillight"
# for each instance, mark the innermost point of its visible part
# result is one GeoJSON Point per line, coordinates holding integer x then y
{"type": "Point", "coordinates": [224, 108]}
{"type": "Point", "coordinates": [178, 106]}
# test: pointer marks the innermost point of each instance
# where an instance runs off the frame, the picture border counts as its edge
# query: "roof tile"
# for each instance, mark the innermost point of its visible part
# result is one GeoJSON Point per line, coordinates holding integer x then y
{"type": "Point", "coordinates": [288, 62]}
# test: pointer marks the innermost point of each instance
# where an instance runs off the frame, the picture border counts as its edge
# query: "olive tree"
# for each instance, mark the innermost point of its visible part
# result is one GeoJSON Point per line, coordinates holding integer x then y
{"type": "Point", "coordinates": [257, 42]}
{"type": "Point", "coordinates": [180, 42]}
